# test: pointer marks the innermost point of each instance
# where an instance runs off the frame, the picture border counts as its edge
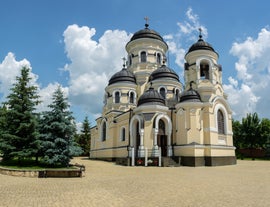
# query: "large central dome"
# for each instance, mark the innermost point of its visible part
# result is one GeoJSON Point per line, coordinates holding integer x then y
{"type": "Point", "coordinates": [147, 33]}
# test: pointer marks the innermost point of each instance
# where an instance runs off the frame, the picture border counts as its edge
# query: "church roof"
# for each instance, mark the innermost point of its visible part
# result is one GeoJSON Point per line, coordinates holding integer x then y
{"type": "Point", "coordinates": [123, 75]}
{"type": "Point", "coordinates": [164, 72]}
{"type": "Point", "coordinates": [147, 33]}
{"type": "Point", "coordinates": [201, 45]}
{"type": "Point", "coordinates": [190, 96]}
{"type": "Point", "coordinates": [151, 97]}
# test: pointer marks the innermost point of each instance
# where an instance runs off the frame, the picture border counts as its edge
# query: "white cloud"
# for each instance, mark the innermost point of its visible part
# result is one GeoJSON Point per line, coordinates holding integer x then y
{"type": "Point", "coordinates": [92, 63]}
{"type": "Point", "coordinates": [249, 93]}
{"type": "Point", "coordinates": [46, 94]}
{"type": "Point", "coordinates": [187, 35]}
{"type": "Point", "coordinates": [9, 69]}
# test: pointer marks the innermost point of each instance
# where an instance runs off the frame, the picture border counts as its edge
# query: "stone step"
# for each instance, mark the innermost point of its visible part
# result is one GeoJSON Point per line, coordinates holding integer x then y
{"type": "Point", "coordinates": [171, 161]}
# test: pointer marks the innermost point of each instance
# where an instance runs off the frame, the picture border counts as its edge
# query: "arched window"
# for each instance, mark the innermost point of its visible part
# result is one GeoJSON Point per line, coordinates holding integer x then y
{"type": "Point", "coordinates": [117, 97]}
{"type": "Point", "coordinates": [123, 134]}
{"type": "Point", "coordinates": [131, 97]}
{"type": "Point", "coordinates": [103, 132]}
{"type": "Point", "coordinates": [158, 58]}
{"type": "Point", "coordinates": [221, 122]}
{"type": "Point", "coordinates": [177, 94]}
{"type": "Point", "coordinates": [143, 56]}
{"type": "Point", "coordinates": [161, 127]}
{"type": "Point", "coordinates": [130, 60]}
{"type": "Point", "coordinates": [204, 70]}
{"type": "Point", "coordinates": [162, 92]}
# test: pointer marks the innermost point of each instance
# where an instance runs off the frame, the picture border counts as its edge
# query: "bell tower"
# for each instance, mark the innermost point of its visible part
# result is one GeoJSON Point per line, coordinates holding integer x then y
{"type": "Point", "coordinates": [203, 70]}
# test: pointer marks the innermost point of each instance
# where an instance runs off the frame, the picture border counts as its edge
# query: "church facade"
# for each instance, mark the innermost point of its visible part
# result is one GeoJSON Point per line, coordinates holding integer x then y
{"type": "Point", "coordinates": [149, 114]}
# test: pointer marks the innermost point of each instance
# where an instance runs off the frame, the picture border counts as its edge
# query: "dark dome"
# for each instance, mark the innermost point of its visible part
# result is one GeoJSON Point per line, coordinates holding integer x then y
{"type": "Point", "coordinates": [151, 97]}
{"type": "Point", "coordinates": [164, 72]}
{"type": "Point", "coordinates": [190, 96]}
{"type": "Point", "coordinates": [123, 76]}
{"type": "Point", "coordinates": [147, 33]}
{"type": "Point", "coordinates": [201, 45]}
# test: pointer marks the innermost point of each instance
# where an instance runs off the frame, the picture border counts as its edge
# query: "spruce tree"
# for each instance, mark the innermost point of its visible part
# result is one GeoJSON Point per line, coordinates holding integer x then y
{"type": "Point", "coordinates": [84, 139]}
{"type": "Point", "coordinates": [57, 131]}
{"type": "Point", "coordinates": [19, 135]}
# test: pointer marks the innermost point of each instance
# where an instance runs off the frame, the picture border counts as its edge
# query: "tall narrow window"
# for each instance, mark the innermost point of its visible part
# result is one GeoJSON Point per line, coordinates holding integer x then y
{"type": "Point", "coordinates": [220, 118]}
{"type": "Point", "coordinates": [204, 70]}
{"type": "Point", "coordinates": [177, 96]}
{"type": "Point", "coordinates": [143, 57]}
{"type": "Point", "coordinates": [162, 92]}
{"type": "Point", "coordinates": [158, 58]}
{"type": "Point", "coordinates": [130, 60]}
{"type": "Point", "coordinates": [103, 134]}
{"type": "Point", "coordinates": [131, 97]}
{"type": "Point", "coordinates": [123, 134]}
{"type": "Point", "coordinates": [117, 97]}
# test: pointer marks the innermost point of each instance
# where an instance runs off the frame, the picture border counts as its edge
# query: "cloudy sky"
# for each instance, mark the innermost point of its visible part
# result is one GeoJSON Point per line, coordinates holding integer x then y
{"type": "Point", "coordinates": [80, 44]}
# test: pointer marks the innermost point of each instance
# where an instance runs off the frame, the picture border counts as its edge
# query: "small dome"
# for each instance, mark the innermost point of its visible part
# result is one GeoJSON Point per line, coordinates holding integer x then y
{"type": "Point", "coordinates": [147, 33]}
{"type": "Point", "coordinates": [151, 97]}
{"type": "Point", "coordinates": [123, 76]}
{"type": "Point", "coordinates": [164, 72]}
{"type": "Point", "coordinates": [201, 45]}
{"type": "Point", "coordinates": [190, 96]}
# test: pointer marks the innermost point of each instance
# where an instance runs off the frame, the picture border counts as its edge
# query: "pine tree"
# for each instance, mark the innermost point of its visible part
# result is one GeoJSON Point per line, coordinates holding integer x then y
{"type": "Point", "coordinates": [84, 139]}
{"type": "Point", "coordinates": [19, 139]}
{"type": "Point", "coordinates": [57, 129]}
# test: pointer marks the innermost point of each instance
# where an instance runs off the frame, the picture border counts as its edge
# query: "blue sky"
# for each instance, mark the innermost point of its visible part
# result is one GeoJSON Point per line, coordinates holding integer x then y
{"type": "Point", "coordinates": [79, 44]}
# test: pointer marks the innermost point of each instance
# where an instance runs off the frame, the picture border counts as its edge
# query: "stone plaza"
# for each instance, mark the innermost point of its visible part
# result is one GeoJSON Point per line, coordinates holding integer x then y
{"type": "Point", "coordinates": [106, 184]}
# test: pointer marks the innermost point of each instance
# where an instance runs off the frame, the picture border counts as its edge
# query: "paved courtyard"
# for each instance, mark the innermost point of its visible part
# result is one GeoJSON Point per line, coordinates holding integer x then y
{"type": "Point", "coordinates": [106, 184]}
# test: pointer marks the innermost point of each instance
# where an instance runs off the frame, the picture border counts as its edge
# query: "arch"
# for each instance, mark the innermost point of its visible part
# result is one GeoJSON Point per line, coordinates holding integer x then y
{"type": "Point", "coordinates": [103, 130]}
{"type": "Point", "coordinates": [177, 92]}
{"type": "Point", "coordinates": [163, 91]}
{"type": "Point", "coordinates": [143, 57]}
{"type": "Point", "coordinates": [168, 122]}
{"type": "Point", "coordinates": [134, 128]}
{"type": "Point", "coordinates": [220, 109]}
{"type": "Point", "coordinates": [220, 120]}
{"type": "Point", "coordinates": [163, 130]}
{"type": "Point", "coordinates": [158, 57]}
{"type": "Point", "coordinates": [132, 97]}
{"type": "Point", "coordinates": [116, 96]}
{"type": "Point", "coordinates": [123, 134]}
{"type": "Point", "coordinates": [204, 68]}
{"type": "Point", "coordinates": [130, 60]}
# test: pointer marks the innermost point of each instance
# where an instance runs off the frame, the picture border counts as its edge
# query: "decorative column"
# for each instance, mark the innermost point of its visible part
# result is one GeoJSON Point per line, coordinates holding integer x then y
{"type": "Point", "coordinates": [169, 145]}
{"type": "Point", "coordinates": [141, 147]}
{"type": "Point", "coordinates": [155, 147]}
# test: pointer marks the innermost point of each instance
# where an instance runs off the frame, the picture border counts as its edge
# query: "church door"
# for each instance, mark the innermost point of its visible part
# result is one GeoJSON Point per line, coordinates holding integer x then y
{"type": "Point", "coordinates": [162, 138]}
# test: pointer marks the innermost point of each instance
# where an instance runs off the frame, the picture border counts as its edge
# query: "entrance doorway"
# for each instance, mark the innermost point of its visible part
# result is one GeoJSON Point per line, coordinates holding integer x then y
{"type": "Point", "coordinates": [162, 143]}
{"type": "Point", "coordinates": [162, 139]}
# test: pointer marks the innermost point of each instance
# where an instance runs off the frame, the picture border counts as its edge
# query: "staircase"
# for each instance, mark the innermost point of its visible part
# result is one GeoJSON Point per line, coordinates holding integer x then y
{"type": "Point", "coordinates": [171, 161]}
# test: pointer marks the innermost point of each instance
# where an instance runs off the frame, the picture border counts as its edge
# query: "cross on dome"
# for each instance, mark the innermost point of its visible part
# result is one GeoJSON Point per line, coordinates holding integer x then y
{"type": "Point", "coordinates": [146, 21]}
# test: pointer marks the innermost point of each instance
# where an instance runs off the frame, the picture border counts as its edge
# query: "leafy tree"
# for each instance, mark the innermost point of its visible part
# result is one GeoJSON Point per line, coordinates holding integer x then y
{"type": "Point", "coordinates": [19, 135]}
{"type": "Point", "coordinates": [251, 133]}
{"type": "Point", "coordinates": [84, 139]}
{"type": "Point", "coordinates": [265, 132]}
{"type": "Point", "coordinates": [57, 129]}
{"type": "Point", "coordinates": [251, 130]}
{"type": "Point", "coordinates": [237, 136]}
